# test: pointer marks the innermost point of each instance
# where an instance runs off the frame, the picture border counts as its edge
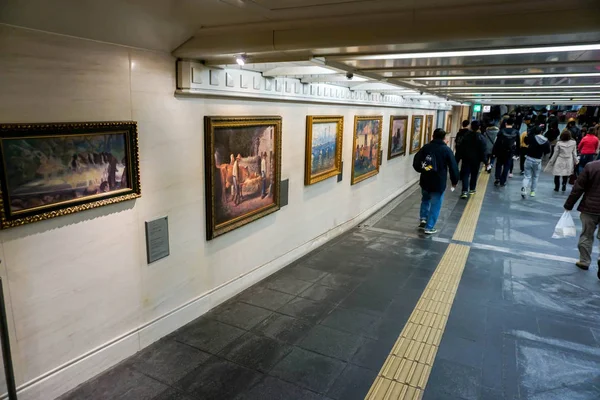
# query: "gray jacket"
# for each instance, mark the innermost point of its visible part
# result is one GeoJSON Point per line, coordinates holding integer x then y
{"type": "Point", "coordinates": [489, 138]}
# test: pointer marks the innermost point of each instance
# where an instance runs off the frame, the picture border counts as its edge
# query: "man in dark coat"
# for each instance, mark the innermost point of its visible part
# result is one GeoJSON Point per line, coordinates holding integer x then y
{"type": "Point", "coordinates": [505, 148]}
{"type": "Point", "coordinates": [433, 162]}
{"type": "Point", "coordinates": [588, 185]}
{"type": "Point", "coordinates": [472, 152]}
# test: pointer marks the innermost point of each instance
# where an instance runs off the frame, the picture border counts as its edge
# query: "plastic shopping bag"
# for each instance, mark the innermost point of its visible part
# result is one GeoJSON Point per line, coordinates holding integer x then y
{"type": "Point", "coordinates": [565, 227]}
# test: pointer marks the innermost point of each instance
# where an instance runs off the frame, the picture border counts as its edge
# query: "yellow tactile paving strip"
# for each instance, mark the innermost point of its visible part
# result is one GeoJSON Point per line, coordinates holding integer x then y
{"type": "Point", "coordinates": [406, 370]}
{"type": "Point", "coordinates": [465, 231]}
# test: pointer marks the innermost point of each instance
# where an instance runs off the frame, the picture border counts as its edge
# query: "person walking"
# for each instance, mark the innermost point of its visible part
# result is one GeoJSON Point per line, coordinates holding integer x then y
{"type": "Point", "coordinates": [588, 186]}
{"type": "Point", "coordinates": [490, 135]}
{"type": "Point", "coordinates": [588, 148]}
{"type": "Point", "coordinates": [564, 160]}
{"type": "Point", "coordinates": [552, 134]}
{"type": "Point", "coordinates": [537, 146]}
{"type": "Point", "coordinates": [433, 162]}
{"type": "Point", "coordinates": [574, 129]}
{"type": "Point", "coordinates": [505, 147]}
{"type": "Point", "coordinates": [472, 153]}
{"type": "Point", "coordinates": [461, 134]}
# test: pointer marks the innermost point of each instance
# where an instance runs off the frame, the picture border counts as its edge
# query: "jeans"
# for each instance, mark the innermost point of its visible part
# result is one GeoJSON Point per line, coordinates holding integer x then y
{"type": "Point", "coordinates": [522, 159]}
{"type": "Point", "coordinates": [586, 240]}
{"type": "Point", "coordinates": [468, 175]}
{"type": "Point", "coordinates": [431, 204]}
{"type": "Point", "coordinates": [532, 172]}
{"type": "Point", "coordinates": [585, 158]}
{"type": "Point", "coordinates": [502, 168]}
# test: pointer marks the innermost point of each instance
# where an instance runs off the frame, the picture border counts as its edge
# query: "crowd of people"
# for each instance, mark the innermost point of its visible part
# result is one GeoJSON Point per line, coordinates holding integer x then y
{"type": "Point", "coordinates": [572, 154]}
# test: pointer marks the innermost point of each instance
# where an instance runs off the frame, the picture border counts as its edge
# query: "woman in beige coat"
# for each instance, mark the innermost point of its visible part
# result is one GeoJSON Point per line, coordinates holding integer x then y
{"type": "Point", "coordinates": [563, 160]}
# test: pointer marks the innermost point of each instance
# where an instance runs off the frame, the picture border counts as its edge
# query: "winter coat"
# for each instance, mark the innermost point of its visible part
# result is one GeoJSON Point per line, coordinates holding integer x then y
{"type": "Point", "coordinates": [436, 181]}
{"type": "Point", "coordinates": [489, 138]}
{"type": "Point", "coordinates": [537, 145]}
{"type": "Point", "coordinates": [507, 144]}
{"type": "Point", "coordinates": [472, 149]}
{"type": "Point", "coordinates": [564, 159]}
{"type": "Point", "coordinates": [588, 185]}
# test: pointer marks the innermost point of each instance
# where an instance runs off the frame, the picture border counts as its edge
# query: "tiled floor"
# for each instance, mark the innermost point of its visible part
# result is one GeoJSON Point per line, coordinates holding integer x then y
{"type": "Point", "coordinates": [524, 324]}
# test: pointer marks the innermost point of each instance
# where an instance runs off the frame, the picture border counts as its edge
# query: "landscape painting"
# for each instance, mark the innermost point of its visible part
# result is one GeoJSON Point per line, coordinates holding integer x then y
{"type": "Point", "coordinates": [243, 166]}
{"type": "Point", "coordinates": [397, 139]}
{"type": "Point", "coordinates": [50, 170]}
{"type": "Point", "coordinates": [416, 133]}
{"type": "Point", "coordinates": [428, 129]}
{"type": "Point", "coordinates": [323, 148]}
{"type": "Point", "coordinates": [366, 157]}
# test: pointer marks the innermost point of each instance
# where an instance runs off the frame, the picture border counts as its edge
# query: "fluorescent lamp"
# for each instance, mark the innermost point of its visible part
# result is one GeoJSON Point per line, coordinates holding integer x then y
{"type": "Point", "coordinates": [525, 93]}
{"type": "Point", "coordinates": [241, 60]}
{"type": "Point", "coordinates": [471, 53]}
{"type": "Point", "coordinates": [458, 87]}
{"type": "Point", "coordinates": [497, 77]}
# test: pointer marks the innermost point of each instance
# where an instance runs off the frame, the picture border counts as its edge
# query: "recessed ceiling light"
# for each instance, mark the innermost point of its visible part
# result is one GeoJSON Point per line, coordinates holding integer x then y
{"type": "Point", "coordinates": [497, 77]}
{"type": "Point", "coordinates": [470, 53]}
{"type": "Point", "coordinates": [241, 60]}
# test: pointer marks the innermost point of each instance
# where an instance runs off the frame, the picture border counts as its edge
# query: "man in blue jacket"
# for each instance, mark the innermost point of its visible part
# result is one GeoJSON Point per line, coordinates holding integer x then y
{"type": "Point", "coordinates": [433, 162]}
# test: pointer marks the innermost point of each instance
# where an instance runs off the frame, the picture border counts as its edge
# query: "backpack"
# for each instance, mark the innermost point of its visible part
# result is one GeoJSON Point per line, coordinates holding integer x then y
{"type": "Point", "coordinates": [509, 144]}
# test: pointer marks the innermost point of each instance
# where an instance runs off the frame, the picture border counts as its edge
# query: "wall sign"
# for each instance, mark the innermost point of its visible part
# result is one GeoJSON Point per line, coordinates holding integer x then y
{"type": "Point", "coordinates": [157, 239]}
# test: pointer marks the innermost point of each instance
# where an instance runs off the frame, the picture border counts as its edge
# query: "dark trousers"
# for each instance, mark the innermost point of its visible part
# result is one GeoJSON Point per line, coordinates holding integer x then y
{"type": "Point", "coordinates": [565, 179]}
{"type": "Point", "coordinates": [512, 165]}
{"type": "Point", "coordinates": [522, 160]}
{"type": "Point", "coordinates": [468, 175]}
{"type": "Point", "coordinates": [502, 168]}
{"type": "Point", "coordinates": [584, 159]}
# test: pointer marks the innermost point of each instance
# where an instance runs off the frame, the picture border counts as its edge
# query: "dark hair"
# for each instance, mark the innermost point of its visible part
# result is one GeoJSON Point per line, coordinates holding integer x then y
{"type": "Point", "coordinates": [565, 136]}
{"type": "Point", "coordinates": [465, 123]}
{"type": "Point", "coordinates": [510, 121]}
{"type": "Point", "coordinates": [541, 119]}
{"type": "Point", "coordinates": [439, 133]}
{"type": "Point", "coordinates": [475, 126]}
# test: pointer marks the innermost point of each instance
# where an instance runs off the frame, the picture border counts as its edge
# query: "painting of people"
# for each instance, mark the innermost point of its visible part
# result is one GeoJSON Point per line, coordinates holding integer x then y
{"type": "Point", "coordinates": [428, 129]}
{"type": "Point", "coordinates": [397, 138]}
{"type": "Point", "coordinates": [366, 145]}
{"type": "Point", "coordinates": [54, 169]}
{"type": "Point", "coordinates": [323, 148]}
{"type": "Point", "coordinates": [243, 167]}
{"type": "Point", "coordinates": [416, 133]}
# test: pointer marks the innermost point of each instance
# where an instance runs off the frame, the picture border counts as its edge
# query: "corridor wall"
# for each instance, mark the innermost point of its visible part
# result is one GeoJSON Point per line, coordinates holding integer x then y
{"type": "Point", "coordinates": [81, 296]}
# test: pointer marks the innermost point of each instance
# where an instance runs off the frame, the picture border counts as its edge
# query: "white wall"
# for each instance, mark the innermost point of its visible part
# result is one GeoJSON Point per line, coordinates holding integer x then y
{"type": "Point", "coordinates": [81, 282]}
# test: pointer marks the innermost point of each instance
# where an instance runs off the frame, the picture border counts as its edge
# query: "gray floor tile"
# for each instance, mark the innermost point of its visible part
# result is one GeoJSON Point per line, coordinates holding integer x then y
{"type": "Point", "coordinates": [284, 328]}
{"type": "Point", "coordinates": [331, 342]}
{"type": "Point", "coordinates": [340, 280]}
{"type": "Point", "coordinates": [272, 388]}
{"type": "Point", "coordinates": [372, 354]}
{"type": "Point", "coordinates": [309, 370]}
{"type": "Point", "coordinates": [120, 383]}
{"type": "Point", "coordinates": [452, 379]}
{"type": "Point", "coordinates": [366, 303]}
{"type": "Point", "coordinates": [239, 314]}
{"type": "Point", "coordinates": [306, 309]}
{"type": "Point", "coordinates": [263, 297]}
{"type": "Point", "coordinates": [218, 379]}
{"type": "Point", "coordinates": [288, 285]}
{"type": "Point", "coordinates": [319, 292]}
{"type": "Point", "coordinates": [168, 360]}
{"type": "Point", "coordinates": [208, 335]}
{"type": "Point", "coordinates": [255, 352]}
{"type": "Point", "coordinates": [462, 351]}
{"type": "Point", "coordinates": [173, 394]}
{"type": "Point", "coordinates": [565, 331]}
{"type": "Point", "coordinates": [353, 384]}
{"type": "Point", "coordinates": [351, 321]}
{"type": "Point", "coordinates": [302, 273]}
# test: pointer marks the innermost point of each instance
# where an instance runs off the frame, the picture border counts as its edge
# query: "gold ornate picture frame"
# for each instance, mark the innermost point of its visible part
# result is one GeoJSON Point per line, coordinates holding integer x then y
{"type": "Point", "coordinates": [366, 145]}
{"type": "Point", "coordinates": [323, 156]}
{"type": "Point", "coordinates": [397, 136]}
{"type": "Point", "coordinates": [242, 170]}
{"type": "Point", "coordinates": [428, 130]}
{"type": "Point", "coordinates": [416, 133]}
{"type": "Point", "coordinates": [54, 169]}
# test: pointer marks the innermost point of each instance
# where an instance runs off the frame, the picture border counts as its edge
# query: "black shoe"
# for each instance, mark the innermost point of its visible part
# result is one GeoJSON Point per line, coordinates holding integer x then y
{"type": "Point", "coordinates": [496, 182]}
{"type": "Point", "coordinates": [522, 172]}
{"type": "Point", "coordinates": [422, 224]}
{"type": "Point", "coordinates": [556, 189]}
{"type": "Point", "coordinates": [582, 266]}
{"type": "Point", "coordinates": [564, 188]}
{"type": "Point", "coordinates": [464, 195]}
{"type": "Point", "coordinates": [503, 185]}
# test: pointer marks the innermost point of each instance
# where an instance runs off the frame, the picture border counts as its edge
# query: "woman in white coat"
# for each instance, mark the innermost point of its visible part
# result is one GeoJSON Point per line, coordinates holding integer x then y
{"type": "Point", "coordinates": [563, 160]}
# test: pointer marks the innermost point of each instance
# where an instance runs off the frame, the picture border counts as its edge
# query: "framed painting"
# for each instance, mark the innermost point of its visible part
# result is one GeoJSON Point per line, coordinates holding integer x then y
{"type": "Point", "coordinates": [428, 129]}
{"type": "Point", "coordinates": [243, 170]}
{"type": "Point", "coordinates": [416, 133]}
{"type": "Point", "coordinates": [397, 139]}
{"type": "Point", "coordinates": [448, 123]}
{"type": "Point", "coordinates": [323, 157]}
{"type": "Point", "coordinates": [366, 157]}
{"type": "Point", "coordinates": [55, 169]}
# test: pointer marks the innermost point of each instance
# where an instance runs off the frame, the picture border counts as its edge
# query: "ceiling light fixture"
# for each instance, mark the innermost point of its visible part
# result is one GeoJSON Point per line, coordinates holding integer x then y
{"type": "Point", "coordinates": [497, 77]}
{"type": "Point", "coordinates": [459, 87]}
{"type": "Point", "coordinates": [471, 53]}
{"type": "Point", "coordinates": [241, 60]}
{"type": "Point", "coordinates": [523, 93]}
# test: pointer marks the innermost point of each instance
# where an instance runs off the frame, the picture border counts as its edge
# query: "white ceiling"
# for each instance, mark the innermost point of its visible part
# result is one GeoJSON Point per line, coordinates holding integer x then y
{"type": "Point", "coordinates": [339, 34]}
